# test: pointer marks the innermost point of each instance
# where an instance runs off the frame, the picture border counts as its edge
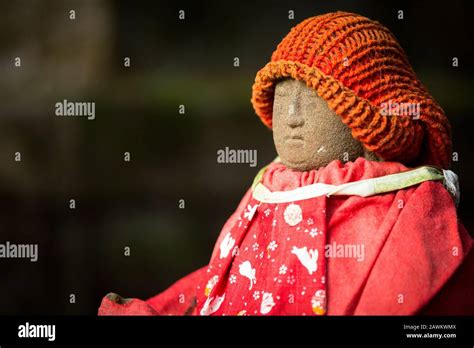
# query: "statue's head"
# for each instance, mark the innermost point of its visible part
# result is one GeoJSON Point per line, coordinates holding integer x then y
{"type": "Point", "coordinates": [339, 86]}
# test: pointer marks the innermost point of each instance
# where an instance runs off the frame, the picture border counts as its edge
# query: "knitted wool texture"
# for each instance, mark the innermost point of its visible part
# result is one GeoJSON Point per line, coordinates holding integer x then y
{"type": "Point", "coordinates": [357, 65]}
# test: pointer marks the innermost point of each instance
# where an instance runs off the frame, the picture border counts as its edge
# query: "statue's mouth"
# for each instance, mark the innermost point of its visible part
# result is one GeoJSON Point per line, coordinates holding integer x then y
{"type": "Point", "coordinates": [294, 140]}
{"type": "Point", "coordinates": [294, 137]}
{"type": "Point", "coordinates": [297, 137]}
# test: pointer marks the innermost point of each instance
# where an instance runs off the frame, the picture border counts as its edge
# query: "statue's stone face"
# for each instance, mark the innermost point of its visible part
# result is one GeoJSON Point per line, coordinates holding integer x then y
{"type": "Point", "coordinates": [307, 133]}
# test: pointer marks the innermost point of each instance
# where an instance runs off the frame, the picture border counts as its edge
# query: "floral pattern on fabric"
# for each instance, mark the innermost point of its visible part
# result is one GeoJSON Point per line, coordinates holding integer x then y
{"type": "Point", "coordinates": [277, 266]}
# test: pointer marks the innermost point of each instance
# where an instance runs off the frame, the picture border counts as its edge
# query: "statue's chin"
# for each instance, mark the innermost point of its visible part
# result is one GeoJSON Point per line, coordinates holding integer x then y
{"type": "Point", "coordinates": [302, 166]}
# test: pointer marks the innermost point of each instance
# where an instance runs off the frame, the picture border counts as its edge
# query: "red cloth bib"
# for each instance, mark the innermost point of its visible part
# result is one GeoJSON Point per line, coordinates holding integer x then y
{"type": "Point", "coordinates": [272, 261]}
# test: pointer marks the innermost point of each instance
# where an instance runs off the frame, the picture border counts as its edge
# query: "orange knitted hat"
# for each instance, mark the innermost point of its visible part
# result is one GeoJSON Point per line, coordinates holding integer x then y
{"type": "Point", "coordinates": [359, 68]}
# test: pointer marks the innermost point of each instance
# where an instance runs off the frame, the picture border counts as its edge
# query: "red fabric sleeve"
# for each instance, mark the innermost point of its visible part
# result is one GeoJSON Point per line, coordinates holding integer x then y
{"type": "Point", "coordinates": [178, 299]}
{"type": "Point", "coordinates": [422, 251]}
{"type": "Point", "coordinates": [456, 296]}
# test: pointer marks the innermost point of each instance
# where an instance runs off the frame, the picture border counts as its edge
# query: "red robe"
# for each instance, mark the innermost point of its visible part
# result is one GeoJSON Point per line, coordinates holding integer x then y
{"type": "Point", "coordinates": [402, 249]}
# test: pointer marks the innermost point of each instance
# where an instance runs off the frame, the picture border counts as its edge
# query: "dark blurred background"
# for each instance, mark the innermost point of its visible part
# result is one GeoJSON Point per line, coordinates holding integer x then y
{"type": "Point", "coordinates": [173, 156]}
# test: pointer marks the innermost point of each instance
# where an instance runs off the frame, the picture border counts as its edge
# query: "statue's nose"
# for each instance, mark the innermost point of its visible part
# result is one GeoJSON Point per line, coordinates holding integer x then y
{"type": "Point", "coordinates": [294, 118]}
